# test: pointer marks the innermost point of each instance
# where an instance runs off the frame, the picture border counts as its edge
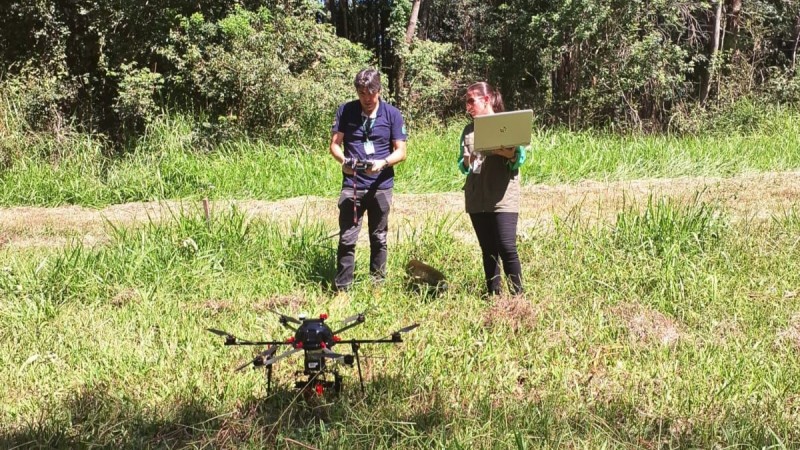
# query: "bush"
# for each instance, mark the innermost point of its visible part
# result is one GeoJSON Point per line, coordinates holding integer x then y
{"type": "Point", "coordinates": [135, 104]}
{"type": "Point", "coordinates": [262, 73]}
{"type": "Point", "coordinates": [34, 100]}
{"type": "Point", "coordinates": [429, 91]}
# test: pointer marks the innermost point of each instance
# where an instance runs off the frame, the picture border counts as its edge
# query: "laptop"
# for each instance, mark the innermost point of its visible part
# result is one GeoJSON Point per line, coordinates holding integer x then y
{"type": "Point", "coordinates": [505, 129]}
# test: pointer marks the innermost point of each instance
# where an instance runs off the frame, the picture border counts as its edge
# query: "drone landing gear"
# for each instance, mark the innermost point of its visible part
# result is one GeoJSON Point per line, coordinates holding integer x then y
{"type": "Point", "coordinates": [316, 384]}
{"type": "Point", "coordinates": [355, 346]}
{"type": "Point", "coordinates": [269, 379]}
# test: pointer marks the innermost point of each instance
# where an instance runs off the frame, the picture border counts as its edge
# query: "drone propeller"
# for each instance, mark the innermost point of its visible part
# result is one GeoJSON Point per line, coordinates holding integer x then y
{"type": "Point", "coordinates": [229, 338]}
{"type": "Point", "coordinates": [284, 316]}
{"type": "Point", "coordinates": [406, 329]}
{"type": "Point", "coordinates": [260, 359]}
{"type": "Point", "coordinates": [283, 355]}
{"type": "Point", "coordinates": [353, 321]}
{"type": "Point", "coordinates": [219, 332]}
{"type": "Point", "coordinates": [395, 337]}
{"type": "Point", "coordinates": [243, 366]}
{"type": "Point", "coordinates": [356, 317]}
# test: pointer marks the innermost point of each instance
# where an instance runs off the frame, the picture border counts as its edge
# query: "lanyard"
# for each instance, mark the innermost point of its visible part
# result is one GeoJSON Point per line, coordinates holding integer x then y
{"type": "Point", "coordinates": [367, 130]}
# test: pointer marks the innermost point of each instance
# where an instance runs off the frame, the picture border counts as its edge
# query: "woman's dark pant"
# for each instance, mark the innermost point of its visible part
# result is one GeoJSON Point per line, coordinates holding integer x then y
{"type": "Point", "coordinates": [497, 236]}
{"type": "Point", "coordinates": [376, 204]}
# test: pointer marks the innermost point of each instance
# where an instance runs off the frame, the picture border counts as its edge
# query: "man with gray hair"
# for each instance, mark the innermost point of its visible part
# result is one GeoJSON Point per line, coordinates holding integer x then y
{"type": "Point", "coordinates": [368, 138]}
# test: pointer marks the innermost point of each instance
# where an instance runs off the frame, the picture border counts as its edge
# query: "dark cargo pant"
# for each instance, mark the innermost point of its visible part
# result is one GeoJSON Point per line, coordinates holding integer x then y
{"type": "Point", "coordinates": [376, 203]}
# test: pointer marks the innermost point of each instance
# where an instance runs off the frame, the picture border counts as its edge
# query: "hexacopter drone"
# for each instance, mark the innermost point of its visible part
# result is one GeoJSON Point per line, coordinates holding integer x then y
{"type": "Point", "coordinates": [316, 339]}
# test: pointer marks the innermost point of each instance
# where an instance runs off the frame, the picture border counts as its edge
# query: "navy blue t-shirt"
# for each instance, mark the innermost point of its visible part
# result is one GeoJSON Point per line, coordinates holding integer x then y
{"type": "Point", "coordinates": [386, 127]}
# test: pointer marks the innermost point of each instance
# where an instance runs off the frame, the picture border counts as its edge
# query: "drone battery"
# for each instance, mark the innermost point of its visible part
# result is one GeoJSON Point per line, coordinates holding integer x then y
{"type": "Point", "coordinates": [313, 364]}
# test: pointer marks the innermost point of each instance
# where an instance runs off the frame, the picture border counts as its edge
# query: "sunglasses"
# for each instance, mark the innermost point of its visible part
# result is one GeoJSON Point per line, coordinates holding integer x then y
{"type": "Point", "coordinates": [472, 100]}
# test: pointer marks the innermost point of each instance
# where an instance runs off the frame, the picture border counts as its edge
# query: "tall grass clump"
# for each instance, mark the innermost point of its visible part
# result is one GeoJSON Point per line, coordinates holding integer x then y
{"type": "Point", "coordinates": [665, 228]}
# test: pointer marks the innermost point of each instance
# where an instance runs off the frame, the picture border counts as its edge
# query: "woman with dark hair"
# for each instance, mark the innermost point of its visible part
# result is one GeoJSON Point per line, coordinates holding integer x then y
{"type": "Point", "coordinates": [491, 194]}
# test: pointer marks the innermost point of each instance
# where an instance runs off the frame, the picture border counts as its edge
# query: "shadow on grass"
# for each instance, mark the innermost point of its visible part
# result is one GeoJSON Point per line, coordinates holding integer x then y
{"type": "Point", "coordinates": [395, 412]}
{"type": "Point", "coordinates": [318, 267]}
{"type": "Point", "coordinates": [96, 417]}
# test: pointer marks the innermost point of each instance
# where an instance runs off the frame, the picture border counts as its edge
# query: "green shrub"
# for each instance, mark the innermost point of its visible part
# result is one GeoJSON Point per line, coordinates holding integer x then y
{"type": "Point", "coordinates": [34, 100]}
{"type": "Point", "coordinates": [135, 104]}
{"type": "Point", "coordinates": [262, 73]}
{"type": "Point", "coordinates": [429, 90]}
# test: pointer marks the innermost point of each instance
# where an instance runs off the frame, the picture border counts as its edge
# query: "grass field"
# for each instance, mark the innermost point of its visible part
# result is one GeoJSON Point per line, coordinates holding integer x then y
{"type": "Point", "coordinates": [674, 325]}
{"type": "Point", "coordinates": [167, 163]}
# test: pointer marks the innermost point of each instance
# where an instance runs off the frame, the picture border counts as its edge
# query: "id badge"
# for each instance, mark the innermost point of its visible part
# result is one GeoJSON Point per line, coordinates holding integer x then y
{"type": "Point", "coordinates": [369, 148]}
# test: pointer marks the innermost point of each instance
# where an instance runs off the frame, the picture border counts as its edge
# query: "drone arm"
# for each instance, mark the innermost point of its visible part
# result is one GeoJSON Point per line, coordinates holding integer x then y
{"type": "Point", "coordinates": [354, 324]}
{"type": "Point", "coordinates": [283, 355]}
{"type": "Point", "coordinates": [392, 340]}
{"type": "Point", "coordinates": [286, 325]}
{"type": "Point", "coordinates": [239, 342]}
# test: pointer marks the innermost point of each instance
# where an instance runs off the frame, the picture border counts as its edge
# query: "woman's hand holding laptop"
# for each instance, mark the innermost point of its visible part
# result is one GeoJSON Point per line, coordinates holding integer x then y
{"type": "Point", "coordinates": [506, 152]}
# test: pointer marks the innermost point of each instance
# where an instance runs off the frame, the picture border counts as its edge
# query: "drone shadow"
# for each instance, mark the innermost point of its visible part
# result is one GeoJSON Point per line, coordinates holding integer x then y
{"type": "Point", "coordinates": [95, 417]}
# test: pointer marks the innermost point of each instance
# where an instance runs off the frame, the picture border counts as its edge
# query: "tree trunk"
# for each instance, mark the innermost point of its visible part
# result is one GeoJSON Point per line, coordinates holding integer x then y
{"type": "Point", "coordinates": [563, 84]}
{"type": "Point", "coordinates": [401, 64]}
{"type": "Point", "coordinates": [731, 39]}
{"type": "Point", "coordinates": [706, 87]}
{"type": "Point", "coordinates": [412, 21]}
{"type": "Point", "coordinates": [424, 19]}
{"type": "Point", "coordinates": [343, 10]}
{"type": "Point", "coordinates": [796, 41]}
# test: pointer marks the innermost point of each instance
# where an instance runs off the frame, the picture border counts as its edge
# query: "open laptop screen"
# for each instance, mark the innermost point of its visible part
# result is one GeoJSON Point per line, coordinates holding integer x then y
{"type": "Point", "coordinates": [505, 129]}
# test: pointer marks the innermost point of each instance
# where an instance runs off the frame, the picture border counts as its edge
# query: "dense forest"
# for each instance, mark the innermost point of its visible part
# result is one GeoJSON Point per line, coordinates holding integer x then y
{"type": "Point", "coordinates": [277, 68]}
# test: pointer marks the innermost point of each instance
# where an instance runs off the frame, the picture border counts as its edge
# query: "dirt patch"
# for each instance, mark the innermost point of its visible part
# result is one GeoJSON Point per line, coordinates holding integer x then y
{"type": "Point", "coordinates": [790, 336]}
{"type": "Point", "coordinates": [124, 297]}
{"type": "Point", "coordinates": [726, 330]}
{"type": "Point", "coordinates": [749, 196]}
{"type": "Point", "coordinates": [648, 326]}
{"type": "Point", "coordinates": [284, 304]}
{"type": "Point", "coordinates": [216, 305]}
{"type": "Point", "coordinates": [516, 312]}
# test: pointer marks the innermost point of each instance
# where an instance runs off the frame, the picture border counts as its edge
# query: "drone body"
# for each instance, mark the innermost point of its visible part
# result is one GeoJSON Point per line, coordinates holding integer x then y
{"type": "Point", "coordinates": [315, 339]}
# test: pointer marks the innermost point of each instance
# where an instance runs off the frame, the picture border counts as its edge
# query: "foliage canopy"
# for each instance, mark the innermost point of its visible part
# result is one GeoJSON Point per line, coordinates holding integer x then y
{"type": "Point", "coordinates": [279, 70]}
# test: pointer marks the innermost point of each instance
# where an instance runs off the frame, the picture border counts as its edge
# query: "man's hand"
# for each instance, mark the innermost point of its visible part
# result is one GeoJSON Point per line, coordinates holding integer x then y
{"type": "Point", "coordinates": [507, 152]}
{"type": "Point", "coordinates": [377, 166]}
{"type": "Point", "coordinates": [347, 166]}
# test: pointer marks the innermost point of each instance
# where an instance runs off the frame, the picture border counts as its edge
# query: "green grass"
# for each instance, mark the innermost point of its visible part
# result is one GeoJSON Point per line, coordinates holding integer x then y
{"type": "Point", "coordinates": [169, 163]}
{"type": "Point", "coordinates": [674, 327]}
